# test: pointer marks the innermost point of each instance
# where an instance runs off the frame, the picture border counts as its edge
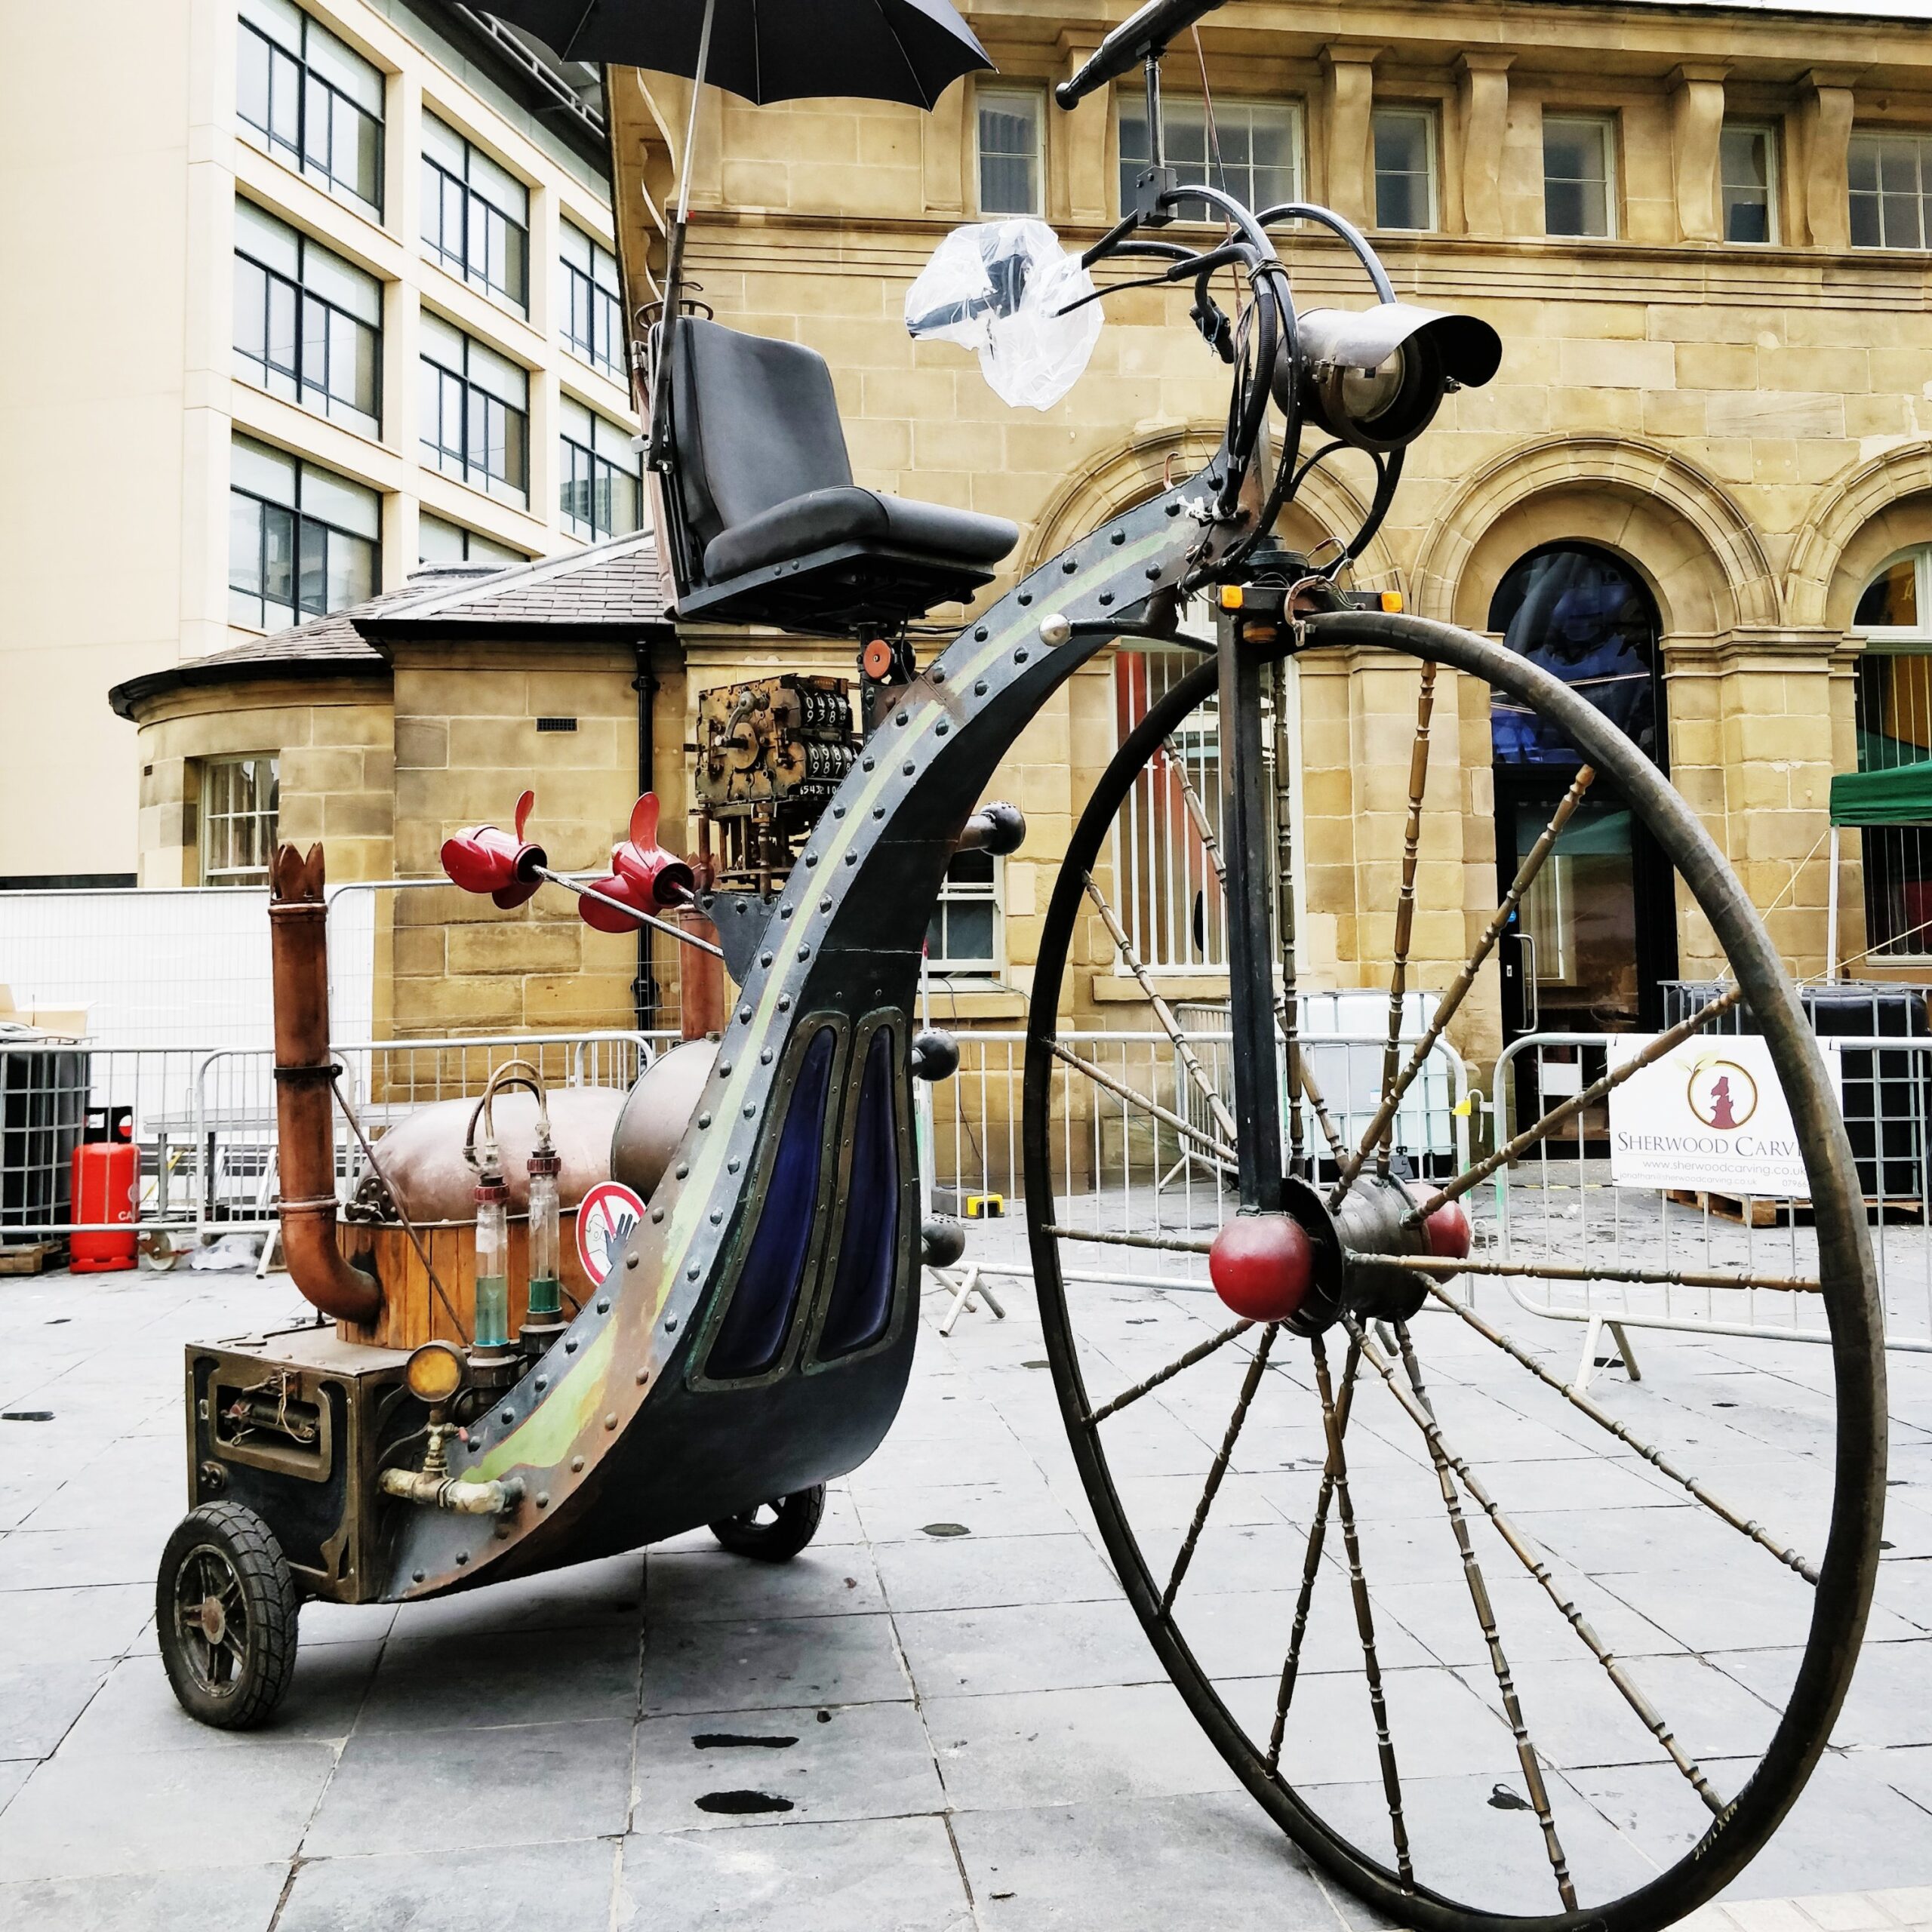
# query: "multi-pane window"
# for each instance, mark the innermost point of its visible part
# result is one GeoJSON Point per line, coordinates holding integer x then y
{"type": "Point", "coordinates": [475, 215]}
{"type": "Point", "coordinates": [1253, 152]}
{"type": "Point", "coordinates": [475, 412]}
{"type": "Point", "coordinates": [1891, 190]}
{"type": "Point", "coordinates": [1405, 167]}
{"type": "Point", "coordinates": [308, 324]}
{"type": "Point", "coordinates": [313, 100]}
{"type": "Point", "coordinates": [1010, 121]}
{"type": "Point", "coordinates": [963, 937]}
{"type": "Point", "coordinates": [438, 542]}
{"type": "Point", "coordinates": [602, 487]}
{"type": "Point", "coordinates": [303, 541]}
{"type": "Point", "coordinates": [593, 310]}
{"type": "Point", "coordinates": [1747, 172]}
{"type": "Point", "coordinates": [240, 798]}
{"type": "Point", "coordinates": [1578, 181]}
{"type": "Point", "coordinates": [1894, 717]}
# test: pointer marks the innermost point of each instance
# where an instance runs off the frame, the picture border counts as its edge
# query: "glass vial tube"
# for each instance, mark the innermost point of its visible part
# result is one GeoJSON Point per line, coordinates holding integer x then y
{"type": "Point", "coordinates": [493, 1264]}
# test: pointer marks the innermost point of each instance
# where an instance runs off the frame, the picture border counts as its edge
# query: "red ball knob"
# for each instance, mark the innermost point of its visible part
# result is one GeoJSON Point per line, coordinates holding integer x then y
{"type": "Point", "coordinates": [1262, 1266]}
{"type": "Point", "coordinates": [1449, 1235]}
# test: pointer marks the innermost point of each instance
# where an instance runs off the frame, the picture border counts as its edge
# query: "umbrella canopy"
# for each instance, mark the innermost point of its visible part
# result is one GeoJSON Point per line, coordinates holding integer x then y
{"type": "Point", "coordinates": [909, 51]}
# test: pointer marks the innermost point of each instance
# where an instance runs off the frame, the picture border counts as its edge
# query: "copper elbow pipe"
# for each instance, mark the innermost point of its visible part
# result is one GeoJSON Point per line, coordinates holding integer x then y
{"type": "Point", "coordinates": [304, 1077]}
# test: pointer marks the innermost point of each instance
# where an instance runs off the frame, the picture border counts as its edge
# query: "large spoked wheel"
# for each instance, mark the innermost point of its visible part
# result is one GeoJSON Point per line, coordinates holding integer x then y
{"type": "Point", "coordinates": [226, 1607]}
{"type": "Point", "coordinates": [1489, 1647]}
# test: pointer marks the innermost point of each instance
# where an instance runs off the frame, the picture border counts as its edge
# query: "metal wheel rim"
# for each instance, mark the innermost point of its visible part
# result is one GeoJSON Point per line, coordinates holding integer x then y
{"type": "Point", "coordinates": [206, 1574]}
{"type": "Point", "coordinates": [1849, 1568]}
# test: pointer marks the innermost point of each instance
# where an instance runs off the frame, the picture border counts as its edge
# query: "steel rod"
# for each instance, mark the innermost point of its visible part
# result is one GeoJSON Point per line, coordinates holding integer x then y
{"type": "Point", "coordinates": [583, 891]}
{"type": "Point", "coordinates": [1257, 1363]}
{"type": "Point", "coordinates": [1459, 988]}
{"type": "Point", "coordinates": [1746, 1526]}
{"type": "Point", "coordinates": [1499, 1664]}
{"type": "Point", "coordinates": [1552, 1271]}
{"type": "Point", "coordinates": [1166, 1244]}
{"type": "Point", "coordinates": [1100, 1077]}
{"type": "Point", "coordinates": [1568, 1110]}
{"type": "Point", "coordinates": [1526, 1555]}
{"type": "Point", "coordinates": [1405, 903]}
{"type": "Point", "coordinates": [1284, 914]}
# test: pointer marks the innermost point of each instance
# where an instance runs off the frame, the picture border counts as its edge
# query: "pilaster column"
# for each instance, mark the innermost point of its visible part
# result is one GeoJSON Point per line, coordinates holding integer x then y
{"type": "Point", "coordinates": [1696, 131]}
{"type": "Point", "coordinates": [1350, 69]}
{"type": "Point", "coordinates": [1824, 138]}
{"type": "Point", "coordinates": [1482, 79]}
{"type": "Point", "coordinates": [943, 134]}
{"type": "Point", "coordinates": [1082, 139]}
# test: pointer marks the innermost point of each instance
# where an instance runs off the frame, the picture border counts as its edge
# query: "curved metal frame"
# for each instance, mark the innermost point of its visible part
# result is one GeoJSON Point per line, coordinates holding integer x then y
{"type": "Point", "coordinates": [1849, 1568]}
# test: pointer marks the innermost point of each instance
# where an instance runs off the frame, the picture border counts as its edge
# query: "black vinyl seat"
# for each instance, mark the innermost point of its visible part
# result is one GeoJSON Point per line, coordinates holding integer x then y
{"type": "Point", "coordinates": [775, 529]}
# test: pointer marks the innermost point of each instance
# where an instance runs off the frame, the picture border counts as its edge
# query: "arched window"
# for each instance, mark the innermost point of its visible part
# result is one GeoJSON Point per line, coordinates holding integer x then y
{"type": "Point", "coordinates": [1894, 619]}
{"type": "Point", "coordinates": [1586, 618]}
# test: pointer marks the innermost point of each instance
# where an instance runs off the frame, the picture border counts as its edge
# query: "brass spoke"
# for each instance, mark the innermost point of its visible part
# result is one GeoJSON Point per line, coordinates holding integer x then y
{"type": "Point", "coordinates": [1371, 1664]}
{"type": "Point", "coordinates": [1563, 1271]}
{"type": "Point", "coordinates": [1135, 1098]}
{"type": "Point", "coordinates": [1459, 988]}
{"type": "Point", "coordinates": [1745, 1525]}
{"type": "Point", "coordinates": [1568, 1109]}
{"type": "Point", "coordinates": [1224, 1119]}
{"type": "Point", "coordinates": [1250, 1383]}
{"type": "Point", "coordinates": [1405, 903]}
{"type": "Point", "coordinates": [1198, 1353]}
{"type": "Point", "coordinates": [1107, 1238]}
{"type": "Point", "coordinates": [1311, 1566]}
{"type": "Point", "coordinates": [1526, 1555]}
{"type": "Point", "coordinates": [1290, 1007]}
{"type": "Point", "coordinates": [1506, 1682]}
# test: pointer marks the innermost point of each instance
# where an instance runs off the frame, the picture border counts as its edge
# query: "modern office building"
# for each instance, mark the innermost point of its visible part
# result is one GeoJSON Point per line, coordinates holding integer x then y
{"type": "Point", "coordinates": [307, 296]}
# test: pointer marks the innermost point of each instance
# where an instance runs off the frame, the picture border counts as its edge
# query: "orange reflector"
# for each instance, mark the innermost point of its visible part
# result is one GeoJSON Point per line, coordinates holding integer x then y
{"type": "Point", "coordinates": [1231, 597]}
{"type": "Point", "coordinates": [1392, 600]}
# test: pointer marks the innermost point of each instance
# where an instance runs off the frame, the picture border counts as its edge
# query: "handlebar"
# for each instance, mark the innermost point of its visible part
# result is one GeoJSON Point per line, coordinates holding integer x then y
{"type": "Point", "coordinates": [1137, 38]}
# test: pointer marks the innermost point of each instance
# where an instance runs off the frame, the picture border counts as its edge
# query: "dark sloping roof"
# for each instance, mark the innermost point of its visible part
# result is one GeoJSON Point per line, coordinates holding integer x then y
{"type": "Point", "coordinates": [608, 590]}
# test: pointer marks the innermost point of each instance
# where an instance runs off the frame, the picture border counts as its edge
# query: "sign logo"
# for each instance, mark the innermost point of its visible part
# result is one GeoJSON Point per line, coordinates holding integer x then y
{"type": "Point", "coordinates": [1721, 1093]}
{"type": "Point", "coordinates": [605, 1220]}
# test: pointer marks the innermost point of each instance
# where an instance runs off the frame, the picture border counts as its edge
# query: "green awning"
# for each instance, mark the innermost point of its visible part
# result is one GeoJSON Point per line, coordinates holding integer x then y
{"type": "Point", "coordinates": [1901, 795]}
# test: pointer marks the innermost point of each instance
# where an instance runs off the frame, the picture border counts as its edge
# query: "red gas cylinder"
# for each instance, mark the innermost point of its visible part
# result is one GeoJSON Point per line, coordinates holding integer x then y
{"type": "Point", "coordinates": [106, 1187]}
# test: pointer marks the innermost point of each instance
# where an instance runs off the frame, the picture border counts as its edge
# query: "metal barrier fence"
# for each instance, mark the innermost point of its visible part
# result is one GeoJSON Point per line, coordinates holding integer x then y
{"type": "Point", "coordinates": [1558, 1203]}
{"type": "Point", "coordinates": [204, 1118]}
{"type": "Point", "coordinates": [1116, 1165]}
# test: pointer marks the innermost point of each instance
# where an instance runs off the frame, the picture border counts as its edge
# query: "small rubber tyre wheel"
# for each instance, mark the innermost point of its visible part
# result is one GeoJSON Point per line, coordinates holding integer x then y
{"type": "Point", "coordinates": [225, 1610]}
{"type": "Point", "coordinates": [774, 1532]}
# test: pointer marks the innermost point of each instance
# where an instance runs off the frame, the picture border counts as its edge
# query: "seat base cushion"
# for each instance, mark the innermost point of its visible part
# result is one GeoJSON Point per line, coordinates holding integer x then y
{"type": "Point", "coordinates": [823, 517]}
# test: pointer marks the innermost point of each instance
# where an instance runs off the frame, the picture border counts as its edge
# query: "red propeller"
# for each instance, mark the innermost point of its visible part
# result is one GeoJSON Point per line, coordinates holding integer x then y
{"type": "Point", "coordinates": [642, 875]}
{"type": "Point", "coordinates": [486, 859]}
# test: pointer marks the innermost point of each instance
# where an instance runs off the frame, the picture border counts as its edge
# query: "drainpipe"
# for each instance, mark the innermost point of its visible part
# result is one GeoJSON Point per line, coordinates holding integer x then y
{"type": "Point", "coordinates": [644, 992]}
{"type": "Point", "coordinates": [304, 1079]}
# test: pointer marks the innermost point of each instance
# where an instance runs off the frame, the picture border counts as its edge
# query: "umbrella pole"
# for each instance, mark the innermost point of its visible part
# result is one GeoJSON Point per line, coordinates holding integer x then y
{"type": "Point", "coordinates": [674, 258]}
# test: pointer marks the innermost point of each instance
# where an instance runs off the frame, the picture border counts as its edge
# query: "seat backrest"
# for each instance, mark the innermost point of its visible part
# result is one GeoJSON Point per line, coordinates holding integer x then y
{"type": "Point", "coordinates": [756, 424]}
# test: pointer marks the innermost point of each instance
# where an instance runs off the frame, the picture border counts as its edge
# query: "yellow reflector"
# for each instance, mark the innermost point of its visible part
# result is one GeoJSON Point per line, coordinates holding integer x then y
{"type": "Point", "coordinates": [1392, 600]}
{"type": "Point", "coordinates": [435, 1372]}
{"type": "Point", "coordinates": [1231, 597]}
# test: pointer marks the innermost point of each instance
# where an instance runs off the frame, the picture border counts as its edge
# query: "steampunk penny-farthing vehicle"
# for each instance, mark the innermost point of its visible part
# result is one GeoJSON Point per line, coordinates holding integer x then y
{"type": "Point", "coordinates": [754, 1339]}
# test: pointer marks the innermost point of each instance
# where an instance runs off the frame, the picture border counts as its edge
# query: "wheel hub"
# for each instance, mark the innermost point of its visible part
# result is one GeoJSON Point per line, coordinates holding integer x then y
{"type": "Point", "coordinates": [213, 1620]}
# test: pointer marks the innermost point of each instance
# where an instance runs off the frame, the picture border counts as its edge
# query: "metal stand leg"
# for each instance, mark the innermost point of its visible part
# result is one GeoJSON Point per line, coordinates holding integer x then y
{"type": "Point", "coordinates": [1593, 1330]}
{"type": "Point", "coordinates": [969, 1283]}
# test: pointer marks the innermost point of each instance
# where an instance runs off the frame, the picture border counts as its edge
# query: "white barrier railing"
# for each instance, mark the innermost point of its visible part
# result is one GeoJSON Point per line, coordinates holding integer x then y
{"type": "Point", "coordinates": [1558, 1203]}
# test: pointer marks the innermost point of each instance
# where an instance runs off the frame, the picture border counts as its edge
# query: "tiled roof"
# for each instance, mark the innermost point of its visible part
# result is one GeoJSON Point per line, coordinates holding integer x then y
{"type": "Point", "coordinates": [607, 588]}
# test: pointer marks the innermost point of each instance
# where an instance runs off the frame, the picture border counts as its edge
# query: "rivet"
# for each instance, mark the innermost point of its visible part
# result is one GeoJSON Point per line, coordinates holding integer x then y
{"type": "Point", "coordinates": [416, 1576]}
{"type": "Point", "coordinates": [570, 1345]}
{"type": "Point", "coordinates": [542, 1383]}
{"type": "Point", "coordinates": [852, 858]}
{"type": "Point", "coordinates": [784, 1002]}
{"type": "Point", "coordinates": [838, 811]}
{"type": "Point", "coordinates": [542, 1498]}
{"type": "Point", "coordinates": [865, 764]}
{"type": "Point", "coordinates": [1025, 597]}
{"type": "Point", "coordinates": [765, 1058]}
{"type": "Point", "coordinates": [717, 1215]}
{"type": "Point", "coordinates": [630, 1261]}
{"type": "Point", "coordinates": [683, 1169]}
{"type": "Point", "coordinates": [670, 1325]}
{"type": "Point", "coordinates": [879, 811]}
{"type": "Point", "coordinates": [785, 911]}
{"type": "Point", "coordinates": [462, 1558]}
{"type": "Point", "coordinates": [604, 1307]}
{"type": "Point", "coordinates": [811, 858]}
{"type": "Point", "coordinates": [724, 1070]}
{"type": "Point", "coordinates": [509, 1416]}
{"type": "Point", "coordinates": [750, 1108]}
{"type": "Point", "coordinates": [657, 1214]}
{"type": "Point", "coordinates": [765, 959]}
{"type": "Point", "coordinates": [1173, 510]}
{"type": "Point", "coordinates": [939, 670]}
{"type": "Point", "coordinates": [980, 636]}
{"type": "Point", "coordinates": [941, 729]}
{"type": "Point", "coordinates": [1153, 573]}
{"type": "Point", "coordinates": [904, 718]}
{"type": "Point", "coordinates": [909, 768]}
{"type": "Point", "coordinates": [690, 1273]}
{"type": "Point", "coordinates": [1071, 565]}
{"type": "Point", "coordinates": [804, 952]}
{"type": "Point", "coordinates": [1020, 656]}
{"type": "Point", "coordinates": [980, 689]}
{"type": "Point", "coordinates": [732, 1166]}
{"type": "Point", "coordinates": [704, 1120]}
{"type": "Point", "coordinates": [1119, 536]}
{"type": "Point", "coordinates": [576, 1465]}
{"type": "Point", "coordinates": [1106, 597]}
{"type": "Point", "coordinates": [643, 1376]}
{"type": "Point", "coordinates": [502, 1533]}
{"type": "Point", "coordinates": [611, 1420]}
{"type": "Point", "coordinates": [825, 904]}
{"type": "Point", "coordinates": [744, 1015]}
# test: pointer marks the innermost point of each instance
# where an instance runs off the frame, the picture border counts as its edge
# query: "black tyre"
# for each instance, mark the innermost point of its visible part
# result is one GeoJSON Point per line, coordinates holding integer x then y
{"type": "Point", "coordinates": [774, 1532]}
{"type": "Point", "coordinates": [225, 1610]}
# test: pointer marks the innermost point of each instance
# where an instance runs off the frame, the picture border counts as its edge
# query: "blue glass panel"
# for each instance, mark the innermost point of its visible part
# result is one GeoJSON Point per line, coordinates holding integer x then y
{"type": "Point", "coordinates": [768, 1290]}
{"type": "Point", "coordinates": [1588, 620]}
{"type": "Point", "coordinates": [862, 1293]}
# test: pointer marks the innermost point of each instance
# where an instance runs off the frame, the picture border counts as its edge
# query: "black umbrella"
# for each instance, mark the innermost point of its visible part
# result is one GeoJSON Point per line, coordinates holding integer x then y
{"type": "Point", "coordinates": [909, 50]}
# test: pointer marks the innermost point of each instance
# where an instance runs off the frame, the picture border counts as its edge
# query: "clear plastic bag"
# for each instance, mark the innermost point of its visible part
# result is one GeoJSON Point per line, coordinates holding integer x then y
{"type": "Point", "coordinates": [999, 287]}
